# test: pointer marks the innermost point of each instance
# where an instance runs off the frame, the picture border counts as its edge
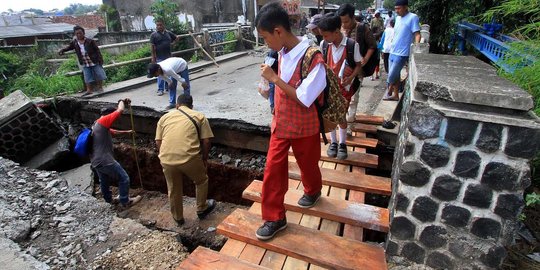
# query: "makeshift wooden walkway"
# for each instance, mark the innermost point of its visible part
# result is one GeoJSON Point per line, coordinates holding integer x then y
{"type": "Point", "coordinates": [326, 236]}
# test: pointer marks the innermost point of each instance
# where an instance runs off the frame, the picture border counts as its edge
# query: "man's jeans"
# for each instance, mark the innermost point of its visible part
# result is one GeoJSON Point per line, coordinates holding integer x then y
{"type": "Point", "coordinates": [113, 172]}
{"type": "Point", "coordinates": [172, 91]}
{"type": "Point", "coordinates": [161, 83]}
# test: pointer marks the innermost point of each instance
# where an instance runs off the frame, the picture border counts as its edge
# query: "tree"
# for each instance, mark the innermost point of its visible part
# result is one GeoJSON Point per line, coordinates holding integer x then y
{"type": "Point", "coordinates": [111, 18]}
{"type": "Point", "coordinates": [80, 9]}
{"type": "Point", "coordinates": [35, 11]}
{"type": "Point", "coordinates": [389, 4]}
{"type": "Point", "coordinates": [165, 10]}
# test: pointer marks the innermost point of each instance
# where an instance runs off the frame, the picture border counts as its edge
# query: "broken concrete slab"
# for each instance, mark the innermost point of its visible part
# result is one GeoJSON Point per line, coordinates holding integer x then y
{"type": "Point", "coordinates": [25, 130]}
{"type": "Point", "coordinates": [51, 156]}
{"type": "Point", "coordinates": [79, 178]}
{"type": "Point", "coordinates": [12, 258]}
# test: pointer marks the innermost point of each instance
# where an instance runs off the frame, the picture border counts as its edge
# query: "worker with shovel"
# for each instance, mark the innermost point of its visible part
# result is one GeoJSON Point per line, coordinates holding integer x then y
{"type": "Point", "coordinates": [102, 158]}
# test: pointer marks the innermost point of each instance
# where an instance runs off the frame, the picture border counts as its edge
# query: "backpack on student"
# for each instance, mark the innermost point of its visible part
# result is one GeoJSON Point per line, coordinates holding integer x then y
{"type": "Point", "coordinates": [333, 109]}
{"type": "Point", "coordinates": [374, 61]}
{"type": "Point", "coordinates": [349, 49]}
{"type": "Point", "coordinates": [83, 144]}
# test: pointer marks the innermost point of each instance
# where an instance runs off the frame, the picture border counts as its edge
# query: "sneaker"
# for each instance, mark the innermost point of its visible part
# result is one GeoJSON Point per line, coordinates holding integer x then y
{"type": "Point", "coordinates": [160, 93]}
{"type": "Point", "coordinates": [332, 150]}
{"type": "Point", "coordinates": [270, 228]}
{"type": "Point", "coordinates": [171, 106]}
{"type": "Point", "coordinates": [372, 78]}
{"type": "Point", "coordinates": [211, 205]}
{"type": "Point", "coordinates": [116, 200]}
{"type": "Point", "coordinates": [132, 201]}
{"type": "Point", "coordinates": [308, 201]}
{"type": "Point", "coordinates": [180, 222]}
{"type": "Point", "coordinates": [342, 151]}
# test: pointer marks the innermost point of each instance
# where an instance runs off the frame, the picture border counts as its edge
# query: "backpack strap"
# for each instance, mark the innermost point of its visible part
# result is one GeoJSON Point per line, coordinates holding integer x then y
{"type": "Point", "coordinates": [324, 49]}
{"type": "Point", "coordinates": [349, 47]}
{"type": "Point", "coordinates": [192, 121]}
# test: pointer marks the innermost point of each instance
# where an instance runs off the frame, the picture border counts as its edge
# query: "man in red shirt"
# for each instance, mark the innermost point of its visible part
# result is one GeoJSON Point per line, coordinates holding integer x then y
{"type": "Point", "coordinates": [102, 159]}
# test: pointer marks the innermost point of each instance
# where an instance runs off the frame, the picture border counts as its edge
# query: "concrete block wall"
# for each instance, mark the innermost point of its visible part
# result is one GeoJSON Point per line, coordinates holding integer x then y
{"type": "Point", "coordinates": [461, 165]}
{"type": "Point", "coordinates": [25, 130]}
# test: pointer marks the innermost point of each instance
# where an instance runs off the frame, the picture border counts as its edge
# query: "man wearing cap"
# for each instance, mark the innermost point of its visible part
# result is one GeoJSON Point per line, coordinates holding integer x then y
{"type": "Point", "coordinates": [172, 70]}
{"type": "Point", "coordinates": [406, 28]}
{"type": "Point", "coordinates": [315, 34]}
{"type": "Point", "coordinates": [102, 158]}
{"type": "Point", "coordinates": [183, 142]}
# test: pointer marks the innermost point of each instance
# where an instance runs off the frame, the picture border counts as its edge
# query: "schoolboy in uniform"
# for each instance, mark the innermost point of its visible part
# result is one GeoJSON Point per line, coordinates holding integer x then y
{"type": "Point", "coordinates": [295, 123]}
{"type": "Point", "coordinates": [335, 47]}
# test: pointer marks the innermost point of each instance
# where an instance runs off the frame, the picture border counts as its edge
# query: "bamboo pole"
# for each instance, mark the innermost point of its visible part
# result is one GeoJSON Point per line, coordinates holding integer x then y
{"type": "Point", "coordinates": [204, 51]}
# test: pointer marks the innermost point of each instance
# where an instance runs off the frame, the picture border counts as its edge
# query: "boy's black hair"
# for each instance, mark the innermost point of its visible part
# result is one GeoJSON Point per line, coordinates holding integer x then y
{"type": "Point", "coordinates": [330, 23]}
{"type": "Point", "coordinates": [346, 10]}
{"type": "Point", "coordinates": [152, 69]}
{"type": "Point", "coordinates": [76, 27]}
{"type": "Point", "coordinates": [186, 100]}
{"type": "Point", "coordinates": [272, 15]}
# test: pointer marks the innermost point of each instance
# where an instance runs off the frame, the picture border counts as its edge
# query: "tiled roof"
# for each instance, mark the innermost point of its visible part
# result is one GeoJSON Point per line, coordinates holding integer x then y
{"type": "Point", "coordinates": [35, 30]}
{"type": "Point", "coordinates": [86, 21]}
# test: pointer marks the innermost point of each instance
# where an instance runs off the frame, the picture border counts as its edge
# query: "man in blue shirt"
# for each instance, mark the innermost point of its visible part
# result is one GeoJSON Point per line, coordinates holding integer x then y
{"type": "Point", "coordinates": [406, 27]}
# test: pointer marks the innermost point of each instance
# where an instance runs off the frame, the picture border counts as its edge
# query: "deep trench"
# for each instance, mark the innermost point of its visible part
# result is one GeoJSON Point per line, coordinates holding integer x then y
{"type": "Point", "coordinates": [226, 181]}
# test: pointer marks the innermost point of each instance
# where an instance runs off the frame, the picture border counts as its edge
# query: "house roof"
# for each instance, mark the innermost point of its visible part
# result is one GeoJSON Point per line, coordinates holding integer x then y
{"type": "Point", "coordinates": [85, 21]}
{"type": "Point", "coordinates": [35, 30]}
{"type": "Point", "coordinates": [22, 19]}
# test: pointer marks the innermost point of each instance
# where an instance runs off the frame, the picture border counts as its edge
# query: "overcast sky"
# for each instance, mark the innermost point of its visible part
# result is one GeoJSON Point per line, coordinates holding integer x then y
{"type": "Point", "coordinates": [18, 5]}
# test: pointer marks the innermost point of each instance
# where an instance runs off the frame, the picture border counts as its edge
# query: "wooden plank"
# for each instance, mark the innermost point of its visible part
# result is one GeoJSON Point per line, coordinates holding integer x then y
{"type": "Point", "coordinates": [339, 252]}
{"type": "Point", "coordinates": [354, 159]}
{"type": "Point", "coordinates": [367, 128]}
{"type": "Point", "coordinates": [350, 231]}
{"type": "Point", "coordinates": [206, 259]}
{"type": "Point", "coordinates": [369, 119]}
{"type": "Point", "coordinates": [233, 248]}
{"type": "Point", "coordinates": [348, 180]}
{"type": "Point", "coordinates": [366, 216]}
{"type": "Point", "coordinates": [360, 142]}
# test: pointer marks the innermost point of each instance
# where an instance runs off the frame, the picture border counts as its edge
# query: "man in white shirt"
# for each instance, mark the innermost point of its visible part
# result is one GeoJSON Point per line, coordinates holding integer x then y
{"type": "Point", "coordinates": [172, 70]}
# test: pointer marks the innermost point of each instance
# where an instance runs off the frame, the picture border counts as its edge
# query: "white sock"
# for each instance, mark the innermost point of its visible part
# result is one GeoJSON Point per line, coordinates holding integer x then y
{"type": "Point", "coordinates": [333, 136]}
{"type": "Point", "coordinates": [342, 135]}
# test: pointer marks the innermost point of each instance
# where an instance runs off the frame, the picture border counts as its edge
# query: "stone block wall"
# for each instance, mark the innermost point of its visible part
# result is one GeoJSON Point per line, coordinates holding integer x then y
{"type": "Point", "coordinates": [460, 167]}
{"type": "Point", "coordinates": [25, 130]}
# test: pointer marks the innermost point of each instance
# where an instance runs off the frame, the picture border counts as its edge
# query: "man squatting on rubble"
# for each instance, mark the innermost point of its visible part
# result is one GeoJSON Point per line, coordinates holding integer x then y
{"type": "Point", "coordinates": [102, 157]}
{"type": "Point", "coordinates": [183, 142]}
{"type": "Point", "coordinates": [295, 122]}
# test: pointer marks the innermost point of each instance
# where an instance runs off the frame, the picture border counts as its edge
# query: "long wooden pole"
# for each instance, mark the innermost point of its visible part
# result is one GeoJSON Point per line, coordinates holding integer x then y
{"type": "Point", "coordinates": [204, 51]}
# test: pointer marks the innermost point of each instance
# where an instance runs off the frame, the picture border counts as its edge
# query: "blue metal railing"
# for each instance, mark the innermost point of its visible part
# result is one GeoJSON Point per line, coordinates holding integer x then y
{"type": "Point", "coordinates": [490, 43]}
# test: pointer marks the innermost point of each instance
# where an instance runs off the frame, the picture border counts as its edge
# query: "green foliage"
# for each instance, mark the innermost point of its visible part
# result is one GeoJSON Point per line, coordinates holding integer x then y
{"type": "Point", "coordinates": [34, 84]}
{"type": "Point", "coordinates": [10, 65]}
{"type": "Point", "coordinates": [532, 199]}
{"type": "Point", "coordinates": [522, 16]}
{"type": "Point", "coordinates": [111, 17]}
{"type": "Point", "coordinates": [165, 10]}
{"type": "Point", "coordinates": [230, 47]}
{"type": "Point", "coordinates": [35, 10]}
{"type": "Point", "coordinates": [389, 4]}
{"type": "Point", "coordinates": [129, 71]}
{"type": "Point", "coordinates": [194, 58]}
{"type": "Point", "coordinates": [80, 9]}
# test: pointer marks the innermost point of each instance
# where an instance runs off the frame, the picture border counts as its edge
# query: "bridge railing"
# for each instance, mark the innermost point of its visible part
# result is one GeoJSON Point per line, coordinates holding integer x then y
{"type": "Point", "coordinates": [206, 38]}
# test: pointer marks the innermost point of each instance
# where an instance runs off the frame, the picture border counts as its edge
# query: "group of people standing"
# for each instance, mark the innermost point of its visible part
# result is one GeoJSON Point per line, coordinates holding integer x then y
{"type": "Point", "coordinates": [336, 41]}
{"type": "Point", "coordinates": [169, 70]}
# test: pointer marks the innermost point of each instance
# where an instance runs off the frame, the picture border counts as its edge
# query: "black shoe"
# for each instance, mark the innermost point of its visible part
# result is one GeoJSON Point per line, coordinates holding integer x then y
{"type": "Point", "coordinates": [342, 151]}
{"type": "Point", "coordinates": [332, 150]}
{"type": "Point", "coordinates": [180, 222]}
{"type": "Point", "coordinates": [308, 201]}
{"type": "Point", "coordinates": [270, 228]}
{"type": "Point", "coordinates": [211, 205]}
{"type": "Point", "coordinates": [171, 106]}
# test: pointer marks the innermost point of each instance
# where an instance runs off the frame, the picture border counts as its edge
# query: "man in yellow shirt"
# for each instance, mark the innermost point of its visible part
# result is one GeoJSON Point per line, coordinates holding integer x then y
{"type": "Point", "coordinates": [183, 142]}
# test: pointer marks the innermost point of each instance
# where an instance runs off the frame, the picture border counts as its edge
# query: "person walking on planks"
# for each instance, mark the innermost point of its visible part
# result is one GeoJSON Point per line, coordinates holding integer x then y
{"type": "Point", "coordinates": [295, 123]}
{"type": "Point", "coordinates": [161, 41]}
{"type": "Point", "coordinates": [102, 158]}
{"type": "Point", "coordinates": [183, 142]}
{"type": "Point", "coordinates": [90, 59]}
{"type": "Point", "coordinates": [172, 70]}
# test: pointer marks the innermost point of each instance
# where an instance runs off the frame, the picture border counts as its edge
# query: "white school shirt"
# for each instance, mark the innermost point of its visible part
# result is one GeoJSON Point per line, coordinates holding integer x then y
{"type": "Point", "coordinates": [337, 52]}
{"type": "Point", "coordinates": [171, 67]}
{"type": "Point", "coordinates": [315, 80]}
